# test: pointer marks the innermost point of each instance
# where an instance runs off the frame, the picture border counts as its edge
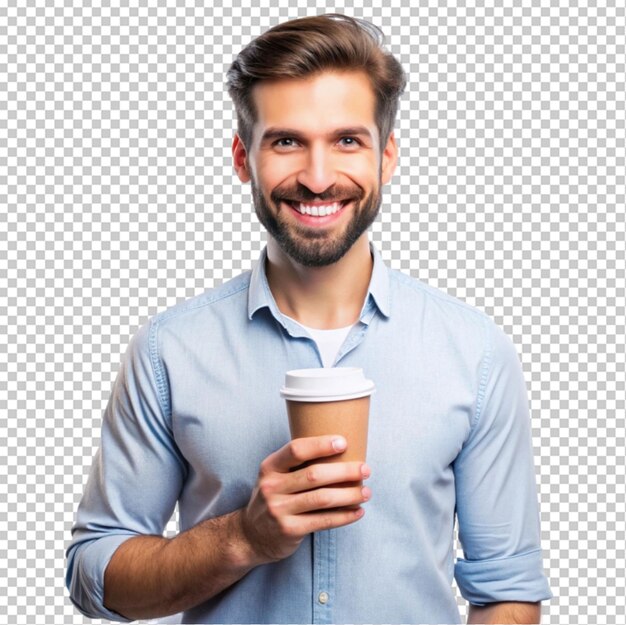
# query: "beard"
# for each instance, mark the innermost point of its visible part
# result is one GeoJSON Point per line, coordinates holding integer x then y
{"type": "Point", "coordinates": [315, 246]}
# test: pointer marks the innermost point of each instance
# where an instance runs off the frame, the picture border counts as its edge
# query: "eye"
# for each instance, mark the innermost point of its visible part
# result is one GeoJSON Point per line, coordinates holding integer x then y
{"type": "Point", "coordinates": [350, 141]}
{"type": "Point", "coordinates": [285, 142]}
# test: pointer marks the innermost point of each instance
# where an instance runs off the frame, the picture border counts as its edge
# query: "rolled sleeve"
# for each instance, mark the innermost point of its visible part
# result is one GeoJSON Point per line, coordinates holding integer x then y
{"type": "Point", "coordinates": [497, 507]}
{"type": "Point", "coordinates": [518, 578]}
{"type": "Point", "coordinates": [85, 574]}
{"type": "Point", "coordinates": [135, 478]}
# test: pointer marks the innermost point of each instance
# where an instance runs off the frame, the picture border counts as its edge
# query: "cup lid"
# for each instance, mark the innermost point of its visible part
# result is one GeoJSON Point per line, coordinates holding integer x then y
{"type": "Point", "coordinates": [326, 384]}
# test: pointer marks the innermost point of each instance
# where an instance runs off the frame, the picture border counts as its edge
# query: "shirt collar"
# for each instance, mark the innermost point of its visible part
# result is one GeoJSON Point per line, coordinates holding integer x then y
{"type": "Point", "coordinates": [260, 295]}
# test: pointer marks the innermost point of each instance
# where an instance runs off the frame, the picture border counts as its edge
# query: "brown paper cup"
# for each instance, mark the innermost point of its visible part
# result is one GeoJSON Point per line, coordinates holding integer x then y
{"type": "Point", "coordinates": [330, 401]}
{"type": "Point", "coordinates": [348, 418]}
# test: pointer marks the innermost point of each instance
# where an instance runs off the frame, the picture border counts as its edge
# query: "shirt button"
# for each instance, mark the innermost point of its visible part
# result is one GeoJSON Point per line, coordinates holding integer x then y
{"type": "Point", "coordinates": [323, 598]}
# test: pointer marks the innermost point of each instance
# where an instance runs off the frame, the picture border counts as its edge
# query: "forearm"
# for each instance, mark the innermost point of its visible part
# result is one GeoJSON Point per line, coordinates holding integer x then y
{"type": "Point", "coordinates": [152, 576]}
{"type": "Point", "coordinates": [505, 612]}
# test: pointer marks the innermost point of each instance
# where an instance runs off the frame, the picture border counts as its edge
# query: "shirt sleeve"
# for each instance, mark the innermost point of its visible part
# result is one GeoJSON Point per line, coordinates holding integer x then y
{"type": "Point", "coordinates": [497, 507]}
{"type": "Point", "coordinates": [135, 479]}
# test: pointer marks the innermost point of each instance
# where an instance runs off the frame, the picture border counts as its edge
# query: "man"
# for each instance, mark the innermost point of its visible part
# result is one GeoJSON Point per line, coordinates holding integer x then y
{"type": "Point", "coordinates": [195, 415]}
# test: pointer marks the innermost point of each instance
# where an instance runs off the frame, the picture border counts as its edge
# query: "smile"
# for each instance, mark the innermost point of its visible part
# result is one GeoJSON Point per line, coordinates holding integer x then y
{"type": "Point", "coordinates": [318, 210]}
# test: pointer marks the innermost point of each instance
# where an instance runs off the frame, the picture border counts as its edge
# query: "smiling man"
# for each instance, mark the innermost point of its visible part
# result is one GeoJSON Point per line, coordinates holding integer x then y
{"type": "Point", "coordinates": [322, 172]}
{"type": "Point", "coordinates": [316, 168]}
{"type": "Point", "coordinates": [195, 416]}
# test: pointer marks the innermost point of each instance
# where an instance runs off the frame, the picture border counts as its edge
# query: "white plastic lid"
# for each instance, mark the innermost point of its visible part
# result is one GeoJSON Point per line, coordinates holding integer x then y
{"type": "Point", "coordinates": [326, 384]}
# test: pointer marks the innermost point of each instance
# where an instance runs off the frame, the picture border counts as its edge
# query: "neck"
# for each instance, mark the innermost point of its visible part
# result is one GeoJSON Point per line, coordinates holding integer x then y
{"type": "Point", "coordinates": [321, 297]}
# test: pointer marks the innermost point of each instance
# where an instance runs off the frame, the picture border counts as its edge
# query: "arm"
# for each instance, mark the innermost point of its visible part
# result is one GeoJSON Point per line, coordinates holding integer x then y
{"type": "Point", "coordinates": [150, 576]}
{"type": "Point", "coordinates": [496, 496]}
{"type": "Point", "coordinates": [505, 612]}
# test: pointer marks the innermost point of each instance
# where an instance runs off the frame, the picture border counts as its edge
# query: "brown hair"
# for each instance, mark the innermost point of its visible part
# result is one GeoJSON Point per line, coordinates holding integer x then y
{"type": "Point", "coordinates": [309, 45]}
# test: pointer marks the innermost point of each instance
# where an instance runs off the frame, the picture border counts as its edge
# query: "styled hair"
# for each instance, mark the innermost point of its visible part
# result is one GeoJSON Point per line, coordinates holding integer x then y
{"type": "Point", "coordinates": [305, 46]}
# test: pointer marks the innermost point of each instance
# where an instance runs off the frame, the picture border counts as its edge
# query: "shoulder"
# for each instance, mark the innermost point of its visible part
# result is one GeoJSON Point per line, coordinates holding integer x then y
{"type": "Point", "coordinates": [199, 323]}
{"type": "Point", "coordinates": [449, 325]}
{"type": "Point", "coordinates": [190, 319]}
{"type": "Point", "coordinates": [222, 300]}
{"type": "Point", "coordinates": [410, 294]}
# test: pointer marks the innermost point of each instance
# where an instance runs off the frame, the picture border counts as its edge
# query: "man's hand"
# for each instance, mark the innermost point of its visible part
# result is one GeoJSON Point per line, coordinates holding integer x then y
{"type": "Point", "coordinates": [288, 504]}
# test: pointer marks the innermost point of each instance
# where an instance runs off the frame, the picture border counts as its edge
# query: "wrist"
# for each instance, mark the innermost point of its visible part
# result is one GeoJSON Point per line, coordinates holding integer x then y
{"type": "Point", "coordinates": [240, 551]}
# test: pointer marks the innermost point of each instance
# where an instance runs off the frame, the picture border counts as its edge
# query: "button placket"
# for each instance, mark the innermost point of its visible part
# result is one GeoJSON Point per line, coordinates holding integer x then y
{"type": "Point", "coordinates": [324, 563]}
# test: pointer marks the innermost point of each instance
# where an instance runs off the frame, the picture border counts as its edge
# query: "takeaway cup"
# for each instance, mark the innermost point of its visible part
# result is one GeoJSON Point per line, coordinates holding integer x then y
{"type": "Point", "coordinates": [330, 400]}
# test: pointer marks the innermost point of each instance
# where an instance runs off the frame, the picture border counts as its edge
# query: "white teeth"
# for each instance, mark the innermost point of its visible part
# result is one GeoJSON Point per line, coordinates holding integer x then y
{"type": "Point", "coordinates": [318, 211]}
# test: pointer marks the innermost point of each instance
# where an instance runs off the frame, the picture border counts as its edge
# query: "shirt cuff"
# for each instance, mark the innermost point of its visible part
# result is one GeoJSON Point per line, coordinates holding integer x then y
{"type": "Point", "coordinates": [516, 578]}
{"type": "Point", "coordinates": [85, 580]}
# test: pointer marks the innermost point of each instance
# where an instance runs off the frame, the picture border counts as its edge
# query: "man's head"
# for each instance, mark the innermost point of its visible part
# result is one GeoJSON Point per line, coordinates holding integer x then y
{"type": "Point", "coordinates": [314, 99]}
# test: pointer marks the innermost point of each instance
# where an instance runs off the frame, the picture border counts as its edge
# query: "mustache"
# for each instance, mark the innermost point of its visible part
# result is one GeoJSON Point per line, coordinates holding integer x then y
{"type": "Point", "coordinates": [302, 194]}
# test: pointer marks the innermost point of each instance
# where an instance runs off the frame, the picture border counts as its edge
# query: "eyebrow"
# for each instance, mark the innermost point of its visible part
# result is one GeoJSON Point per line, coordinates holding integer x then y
{"type": "Point", "coordinates": [272, 134]}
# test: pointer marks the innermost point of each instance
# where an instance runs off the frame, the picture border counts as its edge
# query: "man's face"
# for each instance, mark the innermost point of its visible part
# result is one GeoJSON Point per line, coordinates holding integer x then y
{"type": "Point", "coordinates": [315, 149]}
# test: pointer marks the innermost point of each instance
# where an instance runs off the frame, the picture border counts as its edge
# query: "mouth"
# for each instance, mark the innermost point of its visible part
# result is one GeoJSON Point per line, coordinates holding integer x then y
{"type": "Point", "coordinates": [318, 209]}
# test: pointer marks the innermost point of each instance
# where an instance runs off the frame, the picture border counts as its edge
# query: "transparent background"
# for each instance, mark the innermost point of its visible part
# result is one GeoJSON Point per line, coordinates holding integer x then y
{"type": "Point", "coordinates": [118, 199]}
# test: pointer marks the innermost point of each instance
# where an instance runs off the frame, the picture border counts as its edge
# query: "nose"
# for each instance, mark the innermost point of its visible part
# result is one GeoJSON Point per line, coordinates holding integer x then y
{"type": "Point", "coordinates": [318, 172]}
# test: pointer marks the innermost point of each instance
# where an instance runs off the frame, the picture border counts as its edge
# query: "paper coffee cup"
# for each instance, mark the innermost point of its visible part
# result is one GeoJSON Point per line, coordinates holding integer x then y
{"type": "Point", "coordinates": [331, 400]}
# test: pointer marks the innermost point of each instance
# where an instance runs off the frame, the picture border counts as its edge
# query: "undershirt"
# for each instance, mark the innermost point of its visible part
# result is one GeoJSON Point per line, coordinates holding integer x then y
{"type": "Point", "coordinates": [328, 341]}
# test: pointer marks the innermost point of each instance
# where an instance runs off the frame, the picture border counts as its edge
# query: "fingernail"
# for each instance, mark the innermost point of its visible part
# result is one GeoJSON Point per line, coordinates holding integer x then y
{"type": "Point", "coordinates": [366, 492]}
{"type": "Point", "coordinates": [339, 443]}
{"type": "Point", "coordinates": [365, 470]}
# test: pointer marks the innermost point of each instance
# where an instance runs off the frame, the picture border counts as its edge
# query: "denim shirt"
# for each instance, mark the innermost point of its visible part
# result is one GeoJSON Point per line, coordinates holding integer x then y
{"type": "Point", "coordinates": [195, 408]}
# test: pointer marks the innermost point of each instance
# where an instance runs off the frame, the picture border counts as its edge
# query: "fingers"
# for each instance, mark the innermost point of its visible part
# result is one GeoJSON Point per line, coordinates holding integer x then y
{"type": "Point", "coordinates": [342, 510]}
{"type": "Point", "coordinates": [301, 450]}
{"type": "Point", "coordinates": [326, 499]}
{"type": "Point", "coordinates": [324, 474]}
{"type": "Point", "coordinates": [318, 521]}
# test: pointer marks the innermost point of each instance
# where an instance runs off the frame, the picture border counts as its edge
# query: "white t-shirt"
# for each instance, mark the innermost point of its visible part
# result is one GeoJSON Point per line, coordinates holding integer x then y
{"type": "Point", "coordinates": [328, 341]}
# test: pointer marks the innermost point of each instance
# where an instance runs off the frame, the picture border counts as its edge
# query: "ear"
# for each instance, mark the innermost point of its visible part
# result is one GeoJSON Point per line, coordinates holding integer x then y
{"type": "Point", "coordinates": [389, 159]}
{"type": "Point", "coordinates": [240, 159]}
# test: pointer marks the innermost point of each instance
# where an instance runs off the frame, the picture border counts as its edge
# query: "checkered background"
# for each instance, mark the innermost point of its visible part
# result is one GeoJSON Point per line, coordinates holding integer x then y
{"type": "Point", "coordinates": [118, 199]}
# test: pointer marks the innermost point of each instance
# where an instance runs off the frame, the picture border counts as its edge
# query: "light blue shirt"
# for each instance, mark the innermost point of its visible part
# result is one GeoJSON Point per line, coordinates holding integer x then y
{"type": "Point", "coordinates": [196, 407]}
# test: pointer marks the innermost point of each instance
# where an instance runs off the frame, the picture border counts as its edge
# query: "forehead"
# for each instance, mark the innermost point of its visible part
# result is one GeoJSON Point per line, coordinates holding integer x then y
{"type": "Point", "coordinates": [319, 103]}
